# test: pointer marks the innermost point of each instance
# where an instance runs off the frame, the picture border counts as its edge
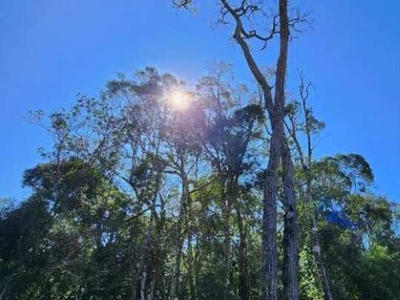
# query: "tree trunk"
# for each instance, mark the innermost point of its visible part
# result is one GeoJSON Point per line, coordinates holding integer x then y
{"type": "Point", "coordinates": [154, 263]}
{"type": "Point", "coordinates": [197, 262]}
{"type": "Point", "coordinates": [192, 288]}
{"type": "Point", "coordinates": [179, 239]}
{"type": "Point", "coordinates": [290, 234]}
{"type": "Point", "coordinates": [227, 235]}
{"type": "Point", "coordinates": [276, 114]}
{"type": "Point", "coordinates": [188, 216]}
{"type": "Point", "coordinates": [144, 264]}
{"type": "Point", "coordinates": [269, 250]}
{"type": "Point", "coordinates": [243, 266]}
{"type": "Point", "coordinates": [152, 284]}
{"type": "Point", "coordinates": [316, 250]}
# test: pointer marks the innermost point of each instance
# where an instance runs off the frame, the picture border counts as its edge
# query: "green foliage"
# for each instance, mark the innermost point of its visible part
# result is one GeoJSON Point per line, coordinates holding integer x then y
{"type": "Point", "coordinates": [132, 184]}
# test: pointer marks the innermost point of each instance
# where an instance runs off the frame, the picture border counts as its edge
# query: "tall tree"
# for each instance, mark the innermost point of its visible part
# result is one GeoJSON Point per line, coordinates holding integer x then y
{"type": "Point", "coordinates": [301, 120]}
{"type": "Point", "coordinates": [274, 99]}
{"type": "Point", "coordinates": [233, 130]}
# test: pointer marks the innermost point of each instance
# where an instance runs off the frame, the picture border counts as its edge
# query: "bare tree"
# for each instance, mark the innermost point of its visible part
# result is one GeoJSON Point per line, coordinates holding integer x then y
{"type": "Point", "coordinates": [309, 126]}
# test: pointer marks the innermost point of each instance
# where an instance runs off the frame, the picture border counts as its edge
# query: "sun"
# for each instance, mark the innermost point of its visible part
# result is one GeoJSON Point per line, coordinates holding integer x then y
{"type": "Point", "coordinates": [179, 100]}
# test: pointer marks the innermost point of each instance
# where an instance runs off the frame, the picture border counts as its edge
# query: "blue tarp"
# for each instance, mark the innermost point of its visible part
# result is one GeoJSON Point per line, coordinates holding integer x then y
{"type": "Point", "coordinates": [338, 219]}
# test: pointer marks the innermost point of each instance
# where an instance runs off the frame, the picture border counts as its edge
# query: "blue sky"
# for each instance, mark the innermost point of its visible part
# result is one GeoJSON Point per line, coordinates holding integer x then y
{"type": "Point", "coordinates": [50, 50]}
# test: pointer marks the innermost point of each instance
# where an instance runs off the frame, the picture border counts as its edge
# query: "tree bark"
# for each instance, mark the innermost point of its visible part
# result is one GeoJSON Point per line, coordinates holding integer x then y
{"type": "Point", "coordinates": [145, 258]}
{"type": "Point", "coordinates": [290, 238]}
{"type": "Point", "coordinates": [154, 263]}
{"type": "Point", "coordinates": [152, 283]}
{"type": "Point", "coordinates": [290, 234]}
{"type": "Point", "coordinates": [269, 248]}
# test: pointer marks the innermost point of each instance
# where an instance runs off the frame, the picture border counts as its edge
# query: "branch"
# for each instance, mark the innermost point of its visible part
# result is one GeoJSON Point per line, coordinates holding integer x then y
{"type": "Point", "coordinates": [202, 187]}
{"type": "Point", "coordinates": [265, 39]}
{"type": "Point", "coordinates": [182, 3]}
{"type": "Point", "coordinates": [304, 94]}
{"type": "Point", "coordinates": [238, 36]}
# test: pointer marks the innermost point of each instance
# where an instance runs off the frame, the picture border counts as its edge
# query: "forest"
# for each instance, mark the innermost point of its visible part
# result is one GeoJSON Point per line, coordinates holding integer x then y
{"type": "Point", "coordinates": [163, 189]}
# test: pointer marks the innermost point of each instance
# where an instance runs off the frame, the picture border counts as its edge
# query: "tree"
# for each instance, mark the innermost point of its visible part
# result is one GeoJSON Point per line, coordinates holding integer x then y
{"type": "Point", "coordinates": [64, 236]}
{"type": "Point", "coordinates": [274, 101]}
{"type": "Point", "coordinates": [309, 126]}
{"type": "Point", "coordinates": [232, 131]}
{"type": "Point", "coordinates": [154, 190]}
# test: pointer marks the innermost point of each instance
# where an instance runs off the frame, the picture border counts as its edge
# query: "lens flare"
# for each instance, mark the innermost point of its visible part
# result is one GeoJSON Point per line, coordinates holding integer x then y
{"type": "Point", "coordinates": [179, 100]}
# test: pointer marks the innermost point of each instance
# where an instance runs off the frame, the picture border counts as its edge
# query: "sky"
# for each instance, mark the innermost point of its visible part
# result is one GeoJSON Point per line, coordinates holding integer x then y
{"type": "Point", "coordinates": [51, 50]}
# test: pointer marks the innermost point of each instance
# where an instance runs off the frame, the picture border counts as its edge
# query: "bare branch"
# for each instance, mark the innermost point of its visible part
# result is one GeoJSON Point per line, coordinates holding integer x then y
{"type": "Point", "coordinates": [238, 36]}
{"type": "Point", "coordinates": [182, 3]}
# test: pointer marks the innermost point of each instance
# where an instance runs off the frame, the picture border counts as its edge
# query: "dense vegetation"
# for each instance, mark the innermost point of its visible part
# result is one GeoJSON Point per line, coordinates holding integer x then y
{"type": "Point", "coordinates": [158, 189]}
{"type": "Point", "coordinates": [141, 198]}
